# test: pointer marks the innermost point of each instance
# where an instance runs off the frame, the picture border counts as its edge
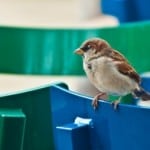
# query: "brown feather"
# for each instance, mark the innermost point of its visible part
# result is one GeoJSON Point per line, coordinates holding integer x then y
{"type": "Point", "coordinates": [111, 53]}
{"type": "Point", "coordinates": [118, 56]}
{"type": "Point", "coordinates": [121, 63]}
{"type": "Point", "coordinates": [126, 69]}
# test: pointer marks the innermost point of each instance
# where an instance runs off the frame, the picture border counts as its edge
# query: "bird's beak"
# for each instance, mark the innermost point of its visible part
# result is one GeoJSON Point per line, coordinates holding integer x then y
{"type": "Point", "coordinates": [79, 51]}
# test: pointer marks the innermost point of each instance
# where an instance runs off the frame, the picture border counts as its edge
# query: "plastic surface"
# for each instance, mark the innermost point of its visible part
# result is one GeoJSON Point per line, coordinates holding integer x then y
{"type": "Point", "coordinates": [35, 104]}
{"type": "Point", "coordinates": [124, 129]}
{"type": "Point", "coordinates": [146, 83]}
{"type": "Point", "coordinates": [12, 127]}
{"type": "Point", "coordinates": [50, 51]}
{"type": "Point", "coordinates": [73, 137]}
{"type": "Point", "coordinates": [124, 10]}
{"type": "Point", "coordinates": [142, 7]}
{"type": "Point", "coordinates": [127, 10]}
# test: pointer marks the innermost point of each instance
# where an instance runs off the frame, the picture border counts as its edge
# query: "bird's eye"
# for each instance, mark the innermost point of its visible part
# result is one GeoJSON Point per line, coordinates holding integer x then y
{"type": "Point", "coordinates": [88, 46]}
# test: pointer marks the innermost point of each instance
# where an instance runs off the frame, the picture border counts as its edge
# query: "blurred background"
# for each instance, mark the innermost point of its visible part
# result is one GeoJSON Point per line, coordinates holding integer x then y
{"type": "Point", "coordinates": [72, 12]}
{"type": "Point", "coordinates": [39, 25]}
{"type": "Point", "coordinates": [35, 46]}
{"type": "Point", "coordinates": [35, 53]}
{"type": "Point", "coordinates": [54, 13]}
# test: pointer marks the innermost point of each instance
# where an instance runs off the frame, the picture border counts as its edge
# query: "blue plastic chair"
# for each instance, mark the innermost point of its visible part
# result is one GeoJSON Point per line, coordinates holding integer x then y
{"type": "Point", "coordinates": [127, 128]}
{"type": "Point", "coordinates": [25, 120]}
{"type": "Point", "coordinates": [127, 10]}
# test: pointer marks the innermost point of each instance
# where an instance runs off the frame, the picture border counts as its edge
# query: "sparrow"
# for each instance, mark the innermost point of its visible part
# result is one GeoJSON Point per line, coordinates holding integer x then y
{"type": "Point", "coordinates": [109, 71]}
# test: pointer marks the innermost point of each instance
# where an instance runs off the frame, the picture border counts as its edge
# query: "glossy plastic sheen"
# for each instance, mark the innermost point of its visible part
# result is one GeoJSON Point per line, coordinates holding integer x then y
{"type": "Point", "coordinates": [124, 129]}
{"type": "Point", "coordinates": [124, 10]}
{"type": "Point", "coordinates": [127, 10]}
{"type": "Point", "coordinates": [12, 127]}
{"type": "Point", "coordinates": [50, 51]}
{"type": "Point", "coordinates": [73, 137]}
{"type": "Point", "coordinates": [35, 104]}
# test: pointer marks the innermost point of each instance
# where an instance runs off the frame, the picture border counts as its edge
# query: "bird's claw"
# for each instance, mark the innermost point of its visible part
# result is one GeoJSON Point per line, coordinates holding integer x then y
{"type": "Point", "coordinates": [95, 103]}
{"type": "Point", "coordinates": [116, 104]}
{"type": "Point", "coordinates": [96, 98]}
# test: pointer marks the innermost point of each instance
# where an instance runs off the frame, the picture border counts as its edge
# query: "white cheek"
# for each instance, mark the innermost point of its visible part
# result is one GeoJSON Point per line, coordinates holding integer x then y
{"type": "Point", "coordinates": [89, 53]}
{"type": "Point", "coordinates": [84, 66]}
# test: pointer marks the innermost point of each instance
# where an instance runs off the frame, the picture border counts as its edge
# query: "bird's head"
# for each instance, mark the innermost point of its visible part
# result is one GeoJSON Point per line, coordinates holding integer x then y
{"type": "Point", "coordinates": [92, 47]}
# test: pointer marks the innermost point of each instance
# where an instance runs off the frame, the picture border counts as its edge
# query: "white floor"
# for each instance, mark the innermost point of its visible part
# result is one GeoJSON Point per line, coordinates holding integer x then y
{"type": "Point", "coordinates": [49, 13]}
{"type": "Point", "coordinates": [10, 83]}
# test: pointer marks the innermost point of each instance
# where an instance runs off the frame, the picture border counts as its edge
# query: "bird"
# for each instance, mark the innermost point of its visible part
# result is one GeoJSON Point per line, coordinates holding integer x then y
{"type": "Point", "coordinates": [109, 71]}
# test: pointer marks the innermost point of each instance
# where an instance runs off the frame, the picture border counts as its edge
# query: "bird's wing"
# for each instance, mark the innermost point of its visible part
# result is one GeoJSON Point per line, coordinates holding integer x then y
{"type": "Point", "coordinates": [122, 64]}
{"type": "Point", "coordinates": [115, 55]}
{"type": "Point", "coordinates": [126, 69]}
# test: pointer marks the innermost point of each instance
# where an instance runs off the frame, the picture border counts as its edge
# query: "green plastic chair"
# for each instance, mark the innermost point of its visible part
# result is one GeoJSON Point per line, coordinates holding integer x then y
{"type": "Point", "coordinates": [12, 127]}
{"type": "Point", "coordinates": [25, 120]}
{"type": "Point", "coordinates": [50, 51]}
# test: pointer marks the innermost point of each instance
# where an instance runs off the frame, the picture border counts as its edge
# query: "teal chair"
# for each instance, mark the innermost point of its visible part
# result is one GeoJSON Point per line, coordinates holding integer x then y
{"type": "Point", "coordinates": [50, 51]}
{"type": "Point", "coordinates": [12, 127]}
{"type": "Point", "coordinates": [25, 120]}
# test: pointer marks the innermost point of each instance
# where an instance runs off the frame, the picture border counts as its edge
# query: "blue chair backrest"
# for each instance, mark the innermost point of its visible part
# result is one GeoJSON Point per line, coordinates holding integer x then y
{"type": "Point", "coordinates": [124, 129]}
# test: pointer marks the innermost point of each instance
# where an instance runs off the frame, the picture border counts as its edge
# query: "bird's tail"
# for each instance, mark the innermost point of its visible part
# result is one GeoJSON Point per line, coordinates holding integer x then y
{"type": "Point", "coordinates": [142, 94]}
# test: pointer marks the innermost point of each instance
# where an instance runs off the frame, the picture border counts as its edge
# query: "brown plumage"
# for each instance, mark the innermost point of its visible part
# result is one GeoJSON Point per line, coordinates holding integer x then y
{"type": "Point", "coordinates": [122, 64]}
{"type": "Point", "coordinates": [109, 71]}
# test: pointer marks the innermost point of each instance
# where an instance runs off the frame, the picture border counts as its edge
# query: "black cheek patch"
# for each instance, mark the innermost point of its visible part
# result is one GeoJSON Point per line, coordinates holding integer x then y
{"type": "Point", "coordinates": [85, 49]}
{"type": "Point", "coordinates": [89, 66]}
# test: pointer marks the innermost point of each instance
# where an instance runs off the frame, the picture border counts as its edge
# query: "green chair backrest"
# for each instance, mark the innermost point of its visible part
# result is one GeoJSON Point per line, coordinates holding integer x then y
{"type": "Point", "coordinates": [12, 128]}
{"type": "Point", "coordinates": [50, 51]}
{"type": "Point", "coordinates": [31, 129]}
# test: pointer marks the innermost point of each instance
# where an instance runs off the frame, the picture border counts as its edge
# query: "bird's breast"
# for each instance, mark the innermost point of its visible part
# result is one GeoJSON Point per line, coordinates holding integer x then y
{"type": "Point", "coordinates": [104, 75]}
{"type": "Point", "coordinates": [96, 71]}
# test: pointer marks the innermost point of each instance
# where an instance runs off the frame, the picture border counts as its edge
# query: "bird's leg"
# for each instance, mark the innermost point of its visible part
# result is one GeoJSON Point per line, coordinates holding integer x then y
{"type": "Point", "coordinates": [116, 102]}
{"type": "Point", "coordinates": [96, 98]}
